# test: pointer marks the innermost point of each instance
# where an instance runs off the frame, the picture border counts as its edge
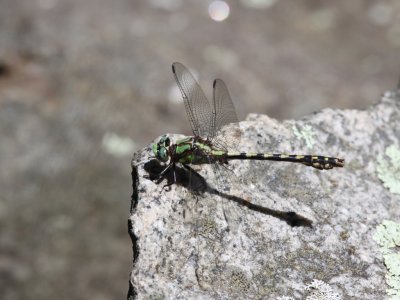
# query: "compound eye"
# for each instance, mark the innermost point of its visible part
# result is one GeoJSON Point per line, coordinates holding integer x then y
{"type": "Point", "coordinates": [167, 142]}
{"type": "Point", "coordinates": [162, 140]}
{"type": "Point", "coordinates": [163, 155]}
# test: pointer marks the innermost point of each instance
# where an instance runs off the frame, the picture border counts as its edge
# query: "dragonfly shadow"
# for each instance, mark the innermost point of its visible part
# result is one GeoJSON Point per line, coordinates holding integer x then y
{"type": "Point", "coordinates": [188, 178]}
{"type": "Point", "coordinates": [195, 183]}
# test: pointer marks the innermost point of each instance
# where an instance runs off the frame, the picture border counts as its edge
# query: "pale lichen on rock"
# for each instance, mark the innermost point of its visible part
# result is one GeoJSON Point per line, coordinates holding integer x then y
{"type": "Point", "coordinates": [389, 168]}
{"type": "Point", "coordinates": [319, 290]}
{"type": "Point", "coordinates": [387, 236]}
{"type": "Point", "coordinates": [305, 133]}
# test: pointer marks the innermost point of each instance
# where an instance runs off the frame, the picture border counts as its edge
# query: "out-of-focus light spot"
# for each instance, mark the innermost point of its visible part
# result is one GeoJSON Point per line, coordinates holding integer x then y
{"type": "Point", "coordinates": [218, 10]}
{"type": "Point", "coordinates": [116, 145]}
{"type": "Point", "coordinates": [380, 14]}
{"type": "Point", "coordinates": [258, 4]}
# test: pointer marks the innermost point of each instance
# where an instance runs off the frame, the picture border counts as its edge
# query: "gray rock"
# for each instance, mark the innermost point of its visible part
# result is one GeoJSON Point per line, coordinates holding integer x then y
{"type": "Point", "coordinates": [273, 230]}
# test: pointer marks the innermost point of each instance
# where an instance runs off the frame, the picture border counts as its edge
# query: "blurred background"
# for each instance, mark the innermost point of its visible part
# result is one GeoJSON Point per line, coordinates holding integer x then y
{"type": "Point", "coordinates": [84, 84]}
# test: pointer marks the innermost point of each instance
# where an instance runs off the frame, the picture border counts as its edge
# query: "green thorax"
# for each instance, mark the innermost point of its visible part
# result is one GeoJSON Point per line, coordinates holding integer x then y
{"type": "Point", "coordinates": [190, 151]}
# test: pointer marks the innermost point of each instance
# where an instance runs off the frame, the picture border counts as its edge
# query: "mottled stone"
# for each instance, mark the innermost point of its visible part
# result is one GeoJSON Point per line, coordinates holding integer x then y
{"type": "Point", "coordinates": [201, 239]}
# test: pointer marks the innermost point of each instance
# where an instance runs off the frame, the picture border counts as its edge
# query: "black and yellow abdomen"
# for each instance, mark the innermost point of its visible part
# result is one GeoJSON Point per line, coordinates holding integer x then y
{"type": "Point", "coordinates": [315, 161]}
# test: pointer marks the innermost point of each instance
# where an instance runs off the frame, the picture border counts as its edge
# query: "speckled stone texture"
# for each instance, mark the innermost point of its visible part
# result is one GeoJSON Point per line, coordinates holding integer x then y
{"type": "Point", "coordinates": [201, 239]}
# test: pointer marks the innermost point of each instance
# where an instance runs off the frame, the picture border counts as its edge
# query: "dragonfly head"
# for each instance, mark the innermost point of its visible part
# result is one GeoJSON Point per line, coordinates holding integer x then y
{"type": "Point", "coordinates": [161, 148]}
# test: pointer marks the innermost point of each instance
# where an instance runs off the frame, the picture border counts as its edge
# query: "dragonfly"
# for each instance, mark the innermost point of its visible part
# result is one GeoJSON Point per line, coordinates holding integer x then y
{"type": "Point", "coordinates": [206, 146]}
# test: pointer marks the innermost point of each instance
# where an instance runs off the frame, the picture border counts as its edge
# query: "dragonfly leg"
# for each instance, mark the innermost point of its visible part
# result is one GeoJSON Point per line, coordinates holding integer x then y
{"type": "Point", "coordinates": [170, 182]}
{"type": "Point", "coordinates": [162, 174]}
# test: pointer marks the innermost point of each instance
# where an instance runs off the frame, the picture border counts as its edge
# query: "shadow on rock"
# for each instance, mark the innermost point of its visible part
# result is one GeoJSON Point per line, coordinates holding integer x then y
{"type": "Point", "coordinates": [194, 182]}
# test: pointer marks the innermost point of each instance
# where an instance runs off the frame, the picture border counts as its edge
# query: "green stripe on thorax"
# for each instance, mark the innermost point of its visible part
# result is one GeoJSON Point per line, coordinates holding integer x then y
{"type": "Point", "coordinates": [194, 152]}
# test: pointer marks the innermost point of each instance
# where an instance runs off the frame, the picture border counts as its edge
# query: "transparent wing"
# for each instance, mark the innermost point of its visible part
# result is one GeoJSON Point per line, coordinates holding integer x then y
{"type": "Point", "coordinates": [196, 104]}
{"type": "Point", "coordinates": [224, 111]}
